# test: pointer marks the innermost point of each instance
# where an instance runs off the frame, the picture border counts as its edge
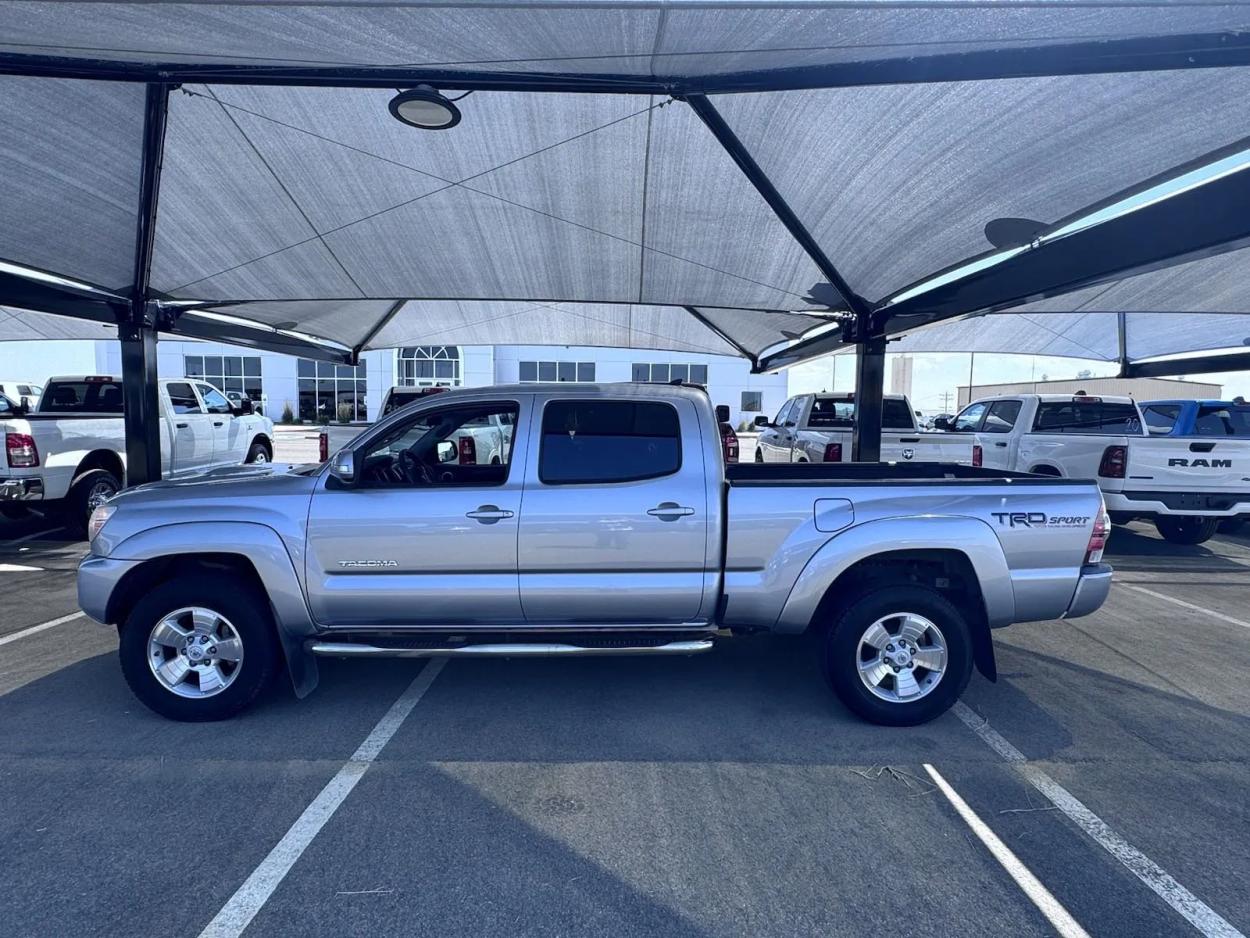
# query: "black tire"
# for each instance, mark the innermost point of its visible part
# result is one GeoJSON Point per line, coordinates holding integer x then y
{"type": "Point", "coordinates": [248, 613]}
{"type": "Point", "coordinates": [259, 452]}
{"type": "Point", "coordinates": [85, 494]}
{"type": "Point", "coordinates": [1231, 525]}
{"type": "Point", "coordinates": [840, 655]}
{"type": "Point", "coordinates": [1186, 529]}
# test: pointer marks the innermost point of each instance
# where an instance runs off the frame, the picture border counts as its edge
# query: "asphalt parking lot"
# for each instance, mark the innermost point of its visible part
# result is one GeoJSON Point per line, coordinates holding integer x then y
{"type": "Point", "coordinates": [726, 794]}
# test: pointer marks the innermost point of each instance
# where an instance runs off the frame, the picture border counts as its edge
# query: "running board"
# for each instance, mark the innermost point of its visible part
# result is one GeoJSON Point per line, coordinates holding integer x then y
{"type": "Point", "coordinates": [506, 650]}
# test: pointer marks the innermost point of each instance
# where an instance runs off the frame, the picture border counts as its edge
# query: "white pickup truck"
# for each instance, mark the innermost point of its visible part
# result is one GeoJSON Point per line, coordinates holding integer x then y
{"type": "Point", "coordinates": [1183, 485]}
{"type": "Point", "coordinates": [71, 453]}
{"type": "Point", "coordinates": [819, 427]}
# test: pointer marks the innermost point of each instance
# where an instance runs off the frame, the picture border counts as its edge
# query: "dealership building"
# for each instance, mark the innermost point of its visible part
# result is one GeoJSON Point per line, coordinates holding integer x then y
{"type": "Point", "coordinates": [316, 390]}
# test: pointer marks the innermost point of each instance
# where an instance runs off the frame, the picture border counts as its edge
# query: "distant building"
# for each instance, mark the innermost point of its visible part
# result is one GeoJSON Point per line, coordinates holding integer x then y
{"type": "Point", "coordinates": [1141, 389]}
{"type": "Point", "coordinates": [315, 390]}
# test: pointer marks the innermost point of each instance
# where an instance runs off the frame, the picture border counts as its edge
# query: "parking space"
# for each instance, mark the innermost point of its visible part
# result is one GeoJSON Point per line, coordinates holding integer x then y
{"type": "Point", "coordinates": [724, 794]}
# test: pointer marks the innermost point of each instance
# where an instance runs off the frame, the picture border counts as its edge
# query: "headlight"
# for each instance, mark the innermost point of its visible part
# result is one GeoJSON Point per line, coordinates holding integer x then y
{"type": "Point", "coordinates": [99, 518]}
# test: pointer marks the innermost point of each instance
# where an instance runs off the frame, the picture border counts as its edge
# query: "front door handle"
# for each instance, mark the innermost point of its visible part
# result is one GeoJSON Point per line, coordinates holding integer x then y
{"type": "Point", "coordinates": [488, 514]}
{"type": "Point", "coordinates": [669, 511]}
{"type": "Point", "coordinates": [1003, 445]}
{"type": "Point", "coordinates": [181, 426]}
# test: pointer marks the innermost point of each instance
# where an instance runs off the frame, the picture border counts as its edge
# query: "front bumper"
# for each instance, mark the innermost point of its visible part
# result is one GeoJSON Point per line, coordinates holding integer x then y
{"type": "Point", "coordinates": [97, 579]}
{"type": "Point", "coordinates": [1091, 590]}
{"type": "Point", "coordinates": [1208, 504]}
{"type": "Point", "coordinates": [21, 490]}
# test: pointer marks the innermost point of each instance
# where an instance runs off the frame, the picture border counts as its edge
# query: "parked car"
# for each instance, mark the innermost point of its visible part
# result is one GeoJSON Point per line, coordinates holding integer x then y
{"type": "Point", "coordinates": [70, 455]}
{"type": "Point", "coordinates": [819, 428]}
{"type": "Point", "coordinates": [22, 393]}
{"type": "Point", "coordinates": [1184, 486]}
{"type": "Point", "coordinates": [611, 525]}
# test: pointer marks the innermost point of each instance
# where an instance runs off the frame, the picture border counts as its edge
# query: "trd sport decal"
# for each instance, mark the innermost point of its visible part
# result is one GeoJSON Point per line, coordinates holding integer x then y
{"type": "Point", "coordinates": [1039, 519]}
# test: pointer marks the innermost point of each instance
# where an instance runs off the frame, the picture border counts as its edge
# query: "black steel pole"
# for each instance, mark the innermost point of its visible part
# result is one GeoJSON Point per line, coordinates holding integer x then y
{"type": "Point", "coordinates": [138, 330]}
{"type": "Point", "coordinates": [869, 390]}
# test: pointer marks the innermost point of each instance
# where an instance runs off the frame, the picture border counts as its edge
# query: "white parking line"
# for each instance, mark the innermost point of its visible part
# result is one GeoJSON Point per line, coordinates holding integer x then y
{"type": "Point", "coordinates": [1194, 910]}
{"type": "Point", "coordinates": [1039, 895]}
{"type": "Point", "coordinates": [242, 907]}
{"type": "Point", "coordinates": [1190, 606]}
{"type": "Point", "coordinates": [42, 627]}
{"type": "Point", "coordinates": [30, 537]}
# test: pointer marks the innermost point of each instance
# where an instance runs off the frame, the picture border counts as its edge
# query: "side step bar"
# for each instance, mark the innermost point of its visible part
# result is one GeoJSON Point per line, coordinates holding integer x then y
{"type": "Point", "coordinates": [506, 650]}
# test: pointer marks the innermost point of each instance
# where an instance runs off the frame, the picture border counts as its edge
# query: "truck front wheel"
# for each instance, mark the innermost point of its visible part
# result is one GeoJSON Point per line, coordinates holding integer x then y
{"type": "Point", "coordinates": [899, 656]}
{"type": "Point", "coordinates": [199, 647]}
{"type": "Point", "coordinates": [88, 492]}
{"type": "Point", "coordinates": [1186, 529]}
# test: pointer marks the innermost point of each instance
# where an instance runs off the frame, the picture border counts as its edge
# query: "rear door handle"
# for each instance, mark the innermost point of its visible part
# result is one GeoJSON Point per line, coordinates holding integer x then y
{"type": "Point", "coordinates": [219, 423]}
{"type": "Point", "coordinates": [909, 439]}
{"type": "Point", "coordinates": [488, 514]}
{"type": "Point", "coordinates": [669, 511]}
{"type": "Point", "coordinates": [181, 426]}
{"type": "Point", "coordinates": [1004, 445]}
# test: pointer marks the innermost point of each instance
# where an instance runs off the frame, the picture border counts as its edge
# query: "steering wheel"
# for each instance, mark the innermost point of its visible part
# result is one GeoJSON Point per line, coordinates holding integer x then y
{"type": "Point", "coordinates": [414, 470]}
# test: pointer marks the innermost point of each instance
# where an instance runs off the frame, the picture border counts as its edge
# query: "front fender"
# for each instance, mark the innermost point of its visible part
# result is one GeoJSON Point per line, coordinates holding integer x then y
{"type": "Point", "coordinates": [969, 536]}
{"type": "Point", "coordinates": [262, 546]}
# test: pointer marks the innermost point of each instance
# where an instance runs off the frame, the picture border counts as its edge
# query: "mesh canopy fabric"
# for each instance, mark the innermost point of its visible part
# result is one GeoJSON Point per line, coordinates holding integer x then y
{"type": "Point", "coordinates": [898, 182]}
{"type": "Point", "coordinates": [24, 325]}
{"type": "Point", "coordinates": [69, 161]}
{"type": "Point", "coordinates": [625, 38]}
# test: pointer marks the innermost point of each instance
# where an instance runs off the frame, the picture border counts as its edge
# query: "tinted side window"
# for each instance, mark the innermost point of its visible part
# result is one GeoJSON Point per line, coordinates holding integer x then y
{"type": "Point", "coordinates": [1161, 418]}
{"type": "Point", "coordinates": [795, 412]}
{"type": "Point", "coordinates": [1086, 417]}
{"type": "Point", "coordinates": [896, 416]}
{"type": "Point", "coordinates": [831, 412]}
{"type": "Point", "coordinates": [82, 397]}
{"type": "Point", "coordinates": [608, 441]}
{"type": "Point", "coordinates": [783, 413]}
{"type": "Point", "coordinates": [1002, 416]}
{"type": "Point", "coordinates": [214, 401]}
{"type": "Point", "coordinates": [183, 400]}
{"type": "Point", "coordinates": [969, 418]}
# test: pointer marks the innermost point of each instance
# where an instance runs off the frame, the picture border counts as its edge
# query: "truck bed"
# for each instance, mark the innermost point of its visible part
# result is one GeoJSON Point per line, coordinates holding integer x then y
{"type": "Point", "coordinates": [751, 474]}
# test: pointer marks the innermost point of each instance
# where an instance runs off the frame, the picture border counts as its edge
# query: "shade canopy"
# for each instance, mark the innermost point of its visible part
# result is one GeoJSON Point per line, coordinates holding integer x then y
{"type": "Point", "coordinates": [698, 176]}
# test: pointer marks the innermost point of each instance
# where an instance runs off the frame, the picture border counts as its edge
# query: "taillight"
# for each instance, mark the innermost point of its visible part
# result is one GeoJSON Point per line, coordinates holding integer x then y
{"type": "Point", "coordinates": [978, 455]}
{"type": "Point", "coordinates": [1114, 461]}
{"type": "Point", "coordinates": [468, 451]}
{"type": "Point", "coordinates": [833, 452]}
{"type": "Point", "coordinates": [22, 450]}
{"type": "Point", "coordinates": [729, 440]}
{"type": "Point", "coordinates": [1098, 540]}
{"type": "Point", "coordinates": [323, 445]}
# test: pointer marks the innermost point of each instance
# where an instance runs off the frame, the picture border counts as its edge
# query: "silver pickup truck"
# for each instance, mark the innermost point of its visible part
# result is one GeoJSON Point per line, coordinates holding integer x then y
{"type": "Point", "coordinates": [609, 524]}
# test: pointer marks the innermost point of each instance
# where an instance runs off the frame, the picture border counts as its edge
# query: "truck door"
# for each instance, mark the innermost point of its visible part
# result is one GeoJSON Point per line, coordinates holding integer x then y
{"type": "Point", "coordinates": [428, 534]}
{"type": "Point", "coordinates": [192, 429]}
{"type": "Point", "coordinates": [776, 441]}
{"type": "Point", "coordinates": [226, 450]}
{"type": "Point", "coordinates": [615, 525]}
{"type": "Point", "coordinates": [997, 441]}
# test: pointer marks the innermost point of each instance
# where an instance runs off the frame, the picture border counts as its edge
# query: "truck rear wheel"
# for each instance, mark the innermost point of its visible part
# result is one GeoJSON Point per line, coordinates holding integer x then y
{"type": "Point", "coordinates": [899, 656]}
{"type": "Point", "coordinates": [199, 647]}
{"type": "Point", "coordinates": [88, 492]}
{"type": "Point", "coordinates": [1186, 529]}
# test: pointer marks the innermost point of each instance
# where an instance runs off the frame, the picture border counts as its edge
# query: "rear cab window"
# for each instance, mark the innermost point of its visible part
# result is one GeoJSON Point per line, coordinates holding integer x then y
{"type": "Point", "coordinates": [89, 396]}
{"type": "Point", "coordinates": [608, 441]}
{"type": "Point", "coordinates": [1087, 415]}
{"type": "Point", "coordinates": [896, 415]}
{"type": "Point", "coordinates": [830, 413]}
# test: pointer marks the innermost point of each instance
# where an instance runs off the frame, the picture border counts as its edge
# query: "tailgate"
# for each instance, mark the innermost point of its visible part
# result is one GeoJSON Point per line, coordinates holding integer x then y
{"type": "Point", "coordinates": [1181, 464]}
{"type": "Point", "coordinates": [926, 447]}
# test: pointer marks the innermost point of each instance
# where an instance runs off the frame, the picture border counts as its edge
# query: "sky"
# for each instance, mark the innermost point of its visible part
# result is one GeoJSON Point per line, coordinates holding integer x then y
{"type": "Point", "coordinates": [937, 373]}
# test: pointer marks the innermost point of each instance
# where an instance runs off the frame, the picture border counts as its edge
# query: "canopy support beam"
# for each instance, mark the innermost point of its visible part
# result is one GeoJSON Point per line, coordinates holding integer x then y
{"type": "Point", "coordinates": [781, 208]}
{"type": "Point", "coordinates": [1194, 365]}
{"type": "Point", "coordinates": [1121, 337]}
{"type": "Point", "coordinates": [720, 334]}
{"type": "Point", "coordinates": [137, 330]}
{"type": "Point", "coordinates": [869, 396]}
{"type": "Point", "coordinates": [377, 327]}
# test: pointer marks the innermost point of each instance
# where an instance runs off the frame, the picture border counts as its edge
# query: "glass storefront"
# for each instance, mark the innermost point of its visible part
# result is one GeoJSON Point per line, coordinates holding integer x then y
{"type": "Point", "coordinates": [326, 388]}
{"type": "Point", "coordinates": [227, 373]}
{"type": "Point", "coordinates": [427, 366]}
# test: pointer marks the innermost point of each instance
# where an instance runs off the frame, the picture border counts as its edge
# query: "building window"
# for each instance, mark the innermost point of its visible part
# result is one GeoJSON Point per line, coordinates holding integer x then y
{"type": "Point", "coordinates": [752, 402]}
{"type": "Point", "coordinates": [428, 366]}
{"type": "Point", "coordinates": [664, 372]}
{"type": "Point", "coordinates": [229, 373]}
{"type": "Point", "coordinates": [557, 371]}
{"type": "Point", "coordinates": [329, 392]}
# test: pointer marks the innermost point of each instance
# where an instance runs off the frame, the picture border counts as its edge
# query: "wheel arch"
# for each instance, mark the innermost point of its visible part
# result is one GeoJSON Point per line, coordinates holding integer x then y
{"type": "Point", "coordinates": [1047, 469]}
{"type": "Point", "coordinates": [105, 459]}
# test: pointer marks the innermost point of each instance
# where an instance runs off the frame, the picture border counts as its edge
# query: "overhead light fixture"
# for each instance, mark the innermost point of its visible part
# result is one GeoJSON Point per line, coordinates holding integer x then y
{"type": "Point", "coordinates": [424, 107]}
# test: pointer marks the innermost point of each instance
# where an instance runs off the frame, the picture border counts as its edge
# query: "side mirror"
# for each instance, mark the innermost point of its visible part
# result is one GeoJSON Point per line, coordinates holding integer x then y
{"type": "Point", "coordinates": [722, 413]}
{"type": "Point", "coordinates": [243, 408]}
{"type": "Point", "coordinates": [941, 423]}
{"type": "Point", "coordinates": [761, 423]}
{"type": "Point", "coordinates": [446, 451]}
{"type": "Point", "coordinates": [343, 467]}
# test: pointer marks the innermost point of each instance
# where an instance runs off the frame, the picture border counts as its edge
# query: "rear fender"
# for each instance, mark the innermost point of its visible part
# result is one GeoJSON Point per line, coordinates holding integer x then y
{"type": "Point", "coordinates": [258, 544]}
{"type": "Point", "coordinates": [969, 536]}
